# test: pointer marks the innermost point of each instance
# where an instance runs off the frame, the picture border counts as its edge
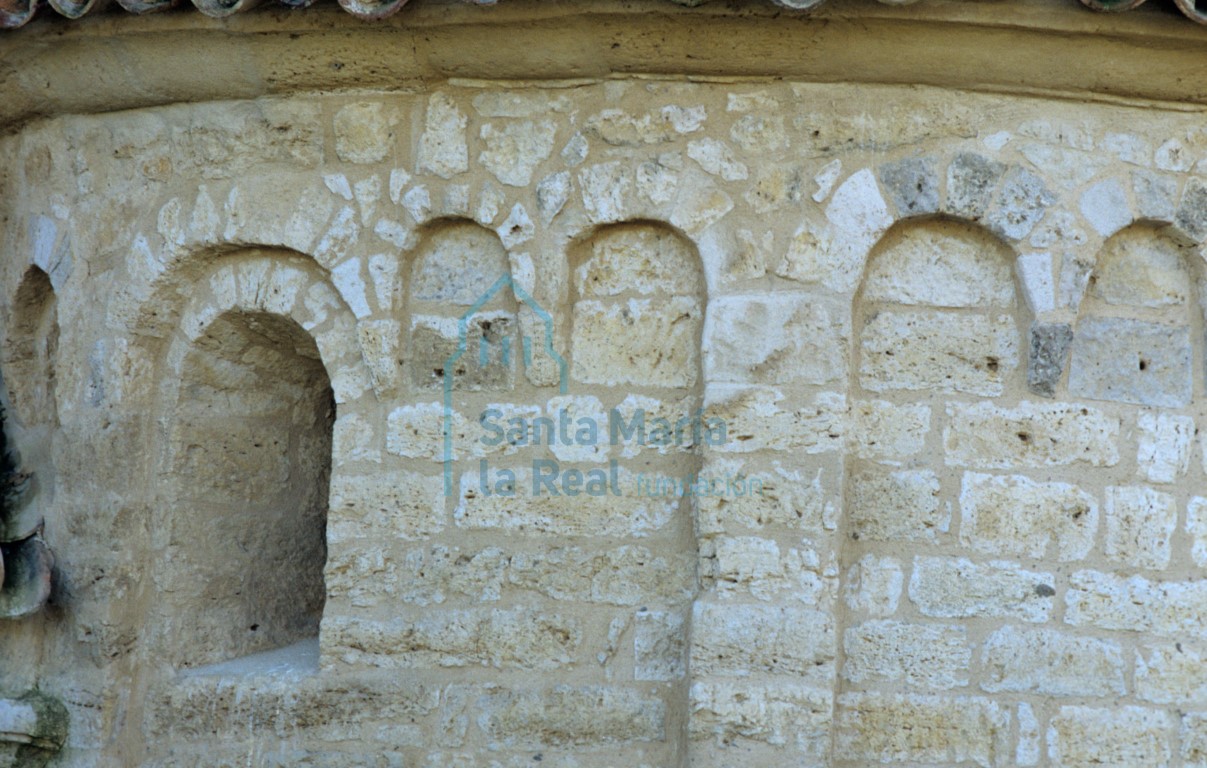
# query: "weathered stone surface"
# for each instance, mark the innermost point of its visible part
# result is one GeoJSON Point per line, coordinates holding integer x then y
{"type": "Point", "coordinates": [897, 506]}
{"type": "Point", "coordinates": [748, 565]}
{"type": "Point", "coordinates": [895, 728]}
{"type": "Point", "coordinates": [958, 588]}
{"type": "Point", "coordinates": [513, 150]}
{"type": "Point", "coordinates": [1131, 361]}
{"type": "Point", "coordinates": [1030, 435]}
{"type": "Point", "coordinates": [886, 432]}
{"type": "Point", "coordinates": [1088, 736]}
{"type": "Point", "coordinates": [738, 640]}
{"type": "Point", "coordinates": [1049, 352]}
{"type": "Point", "coordinates": [568, 715]}
{"type": "Point", "coordinates": [442, 146]}
{"type": "Point", "coordinates": [514, 639]}
{"type": "Point", "coordinates": [1052, 663]}
{"type": "Point", "coordinates": [971, 182]}
{"type": "Point", "coordinates": [1172, 673]}
{"type": "Point", "coordinates": [733, 713]}
{"type": "Point", "coordinates": [874, 585]}
{"type": "Point", "coordinates": [659, 646]}
{"type": "Point", "coordinates": [757, 419]}
{"type": "Point", "coordinates": [362, 133]}
{"type": "Point", "coordinates": [1018, 517]}
{"type": "Point", "coordinates": [638, 342]}
{"type": "Point", "coordinates": [913, 185]}
{"type": "Point", "coordinates": [941, 264]}
{"type": "Point", "coordinates": [1139, 526]}
{"type": "Point", "coordinates": [1163, 454]}
{"type": "Point", "coordinates": [935, 656]}
{"type": "Point", "coordinates": [776, 339]}
{"type": "Point", "coordinates": [1142, 267]}
{"type": "Point", "coordinates": [938, 350]}
{"type": "Point", "coordinates": [1137, 604]}
{"type": "Point", "coordinates": [1020, 202]}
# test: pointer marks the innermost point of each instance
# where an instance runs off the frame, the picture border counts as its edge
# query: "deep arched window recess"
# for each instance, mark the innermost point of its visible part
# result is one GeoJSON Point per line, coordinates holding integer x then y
{"type": "Point", "coordinates": [30, 417]}
{"type": "Point", "coordinates": [243, 544]}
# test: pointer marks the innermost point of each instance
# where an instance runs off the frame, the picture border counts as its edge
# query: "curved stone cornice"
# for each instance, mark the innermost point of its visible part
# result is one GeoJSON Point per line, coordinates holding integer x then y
{"type": "Point", "coordinates": [111, 62]}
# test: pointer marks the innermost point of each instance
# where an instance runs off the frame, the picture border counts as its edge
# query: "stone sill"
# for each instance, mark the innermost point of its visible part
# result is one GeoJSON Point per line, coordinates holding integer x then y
{"type": "Point", "coordinates": [297, 660]}
{"type": "Point", "coordinates": [1050, 48]}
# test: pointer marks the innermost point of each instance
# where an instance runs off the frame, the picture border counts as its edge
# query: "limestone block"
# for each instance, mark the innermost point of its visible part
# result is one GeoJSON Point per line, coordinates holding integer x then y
{"type": "Point", "coordinates": [1052, 663]}
{"type": "Point", "coordinates": [449, 346]}
{"type": "Point", "coordinates": [1142, 267]}
{"type": "Point", "coordinates": [887, 432]}
{"type": "Point", "coordinates": [775, 339]}
{"type": "Point", "coordinates": [758, 567]}
{"type": "Point", "coordinates": [958, 588]}
{"type": "Point", "coordinates": [774, 498]}
{"type": "Point", "coordinates": [1196, 526]}
{"type": "Point", "coordinates": [1155, 195]}
{"type": "Point", "coordinates": [1090, 736]}
{"type": "Point", "coordinates": [1172, 673]}
{"type": "Point", "coordinates": [513, 150]}
{"type": "Point", "coordinates": [936, 656]}
{"type": "Point", "coordinates": [566, 715]}
{"type": "Point", "coordinates": [1192, 211]}
{"type": "Point", "coordinates": [1019, 517]}
{"type": "Point", "coordinates": [874, 585]}
{"type": "Point", "coordinates": [1131, 361]}
{"type": "Point", "coordinates": [1139, 525]}
{"type": "Point", "coordinates": [912, 185]}
{"type": "Point", "coordinates": [1105, 205]}
{"type": "Point", "coordinates": [1163, 454]}
{"type": "Point", "coordinates": [717, 159]}
{"type": "Point", "coordinates": [644, 260]}
{"type": "Point", "coordinates": [1047, 358]}
{"type": "Point", "coordinates": [971, 182]}
{"type": "Point", "coordinates": [363, 133]}
{"type": "Point", "coordinates": [739, 713]}
{"type": "Point", "coordinates": [1020, 203]}
{"type": "Point", "coordinates": [924, 350]}
{"type": "Point", "coordinates": [941, 265]}
{"type": "Point", "coordinates": [385, 506]}
{"type": "Point", "coordinates": [987, 436]}
{"type": "Point", "coordinates": [1136, 604]}
{"type": "Point", "coordinates": [759, 132]}
{"type": "Point", "coordinates": [639, 342]}
{"type": "Point", "coordinates": [895, 728]}
{"type": "Point", "coordinates": [521, 504]}
{"type": "Point", "coordinates": [897, 506]}
{"type": "Point", "coordinates": [659, 646]}
{"type": "Point", "coordinates": [755, 420]}
{"type": "Point", "coordinates": [521, 638]}
{"type": "Point", "coordinates": [625, 575]}
{"type": "Point", "coordinates": [442, 147]}
{"type": "Point", "coordinates": [738, 640]}
{"type": "Point", "coordinates": [624, 129]}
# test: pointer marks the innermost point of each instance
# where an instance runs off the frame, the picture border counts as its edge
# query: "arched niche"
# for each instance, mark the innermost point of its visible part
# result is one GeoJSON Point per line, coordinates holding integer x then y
{"type": "Point", "coordinates": [937, 311]}
{"type": "Point", "coordinates": [1135, 338]}
{"type": "Point", "coordinates": [638, 308]}
{"type": "Point", "coordinates": [463, 310]}
{"type": "Point", "coordinates": [247, 477]}
{"type": "Point", "coordinates": [31, 351]}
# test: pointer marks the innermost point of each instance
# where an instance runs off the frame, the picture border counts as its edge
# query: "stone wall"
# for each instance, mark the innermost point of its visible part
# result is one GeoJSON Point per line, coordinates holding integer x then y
{"type": "Point", "coordinates": [952, 344]}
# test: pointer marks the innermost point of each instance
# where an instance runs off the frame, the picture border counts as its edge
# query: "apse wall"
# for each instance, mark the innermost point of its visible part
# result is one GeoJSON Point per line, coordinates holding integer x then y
{"type": "Point", "coordinates": [626, 423]}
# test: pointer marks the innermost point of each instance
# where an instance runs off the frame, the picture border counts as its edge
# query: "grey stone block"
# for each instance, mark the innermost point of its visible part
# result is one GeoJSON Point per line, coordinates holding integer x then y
{"type": "Point", "coordinates": [912, 184]}
{"type": "Point", "coordinates": [1046, 360]}
{"type": "Point", "coordinates": [971, 181]}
